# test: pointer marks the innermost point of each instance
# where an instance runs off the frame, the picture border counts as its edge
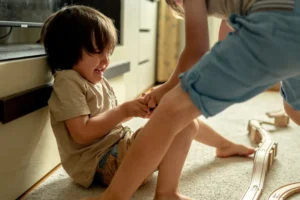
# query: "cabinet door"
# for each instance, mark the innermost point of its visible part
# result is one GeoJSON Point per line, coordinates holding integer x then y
{"type": "Point", "coordinates": [146, 46]}
{"type": "Point", "coordinates": [148, 14]}
{"type": "Point", "coordinates": [146, 75]}
{"type": "Point", "coordinates": [146, 60]}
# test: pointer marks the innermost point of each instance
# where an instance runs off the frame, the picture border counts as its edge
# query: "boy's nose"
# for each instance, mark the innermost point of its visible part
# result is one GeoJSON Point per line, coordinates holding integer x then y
{"type": "Point", "coordinates": [105, 60]}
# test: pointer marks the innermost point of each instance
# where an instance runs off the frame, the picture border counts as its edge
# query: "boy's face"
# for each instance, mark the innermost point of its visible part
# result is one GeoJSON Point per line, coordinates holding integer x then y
{"type": "Point", "coordinates": [92, 66]}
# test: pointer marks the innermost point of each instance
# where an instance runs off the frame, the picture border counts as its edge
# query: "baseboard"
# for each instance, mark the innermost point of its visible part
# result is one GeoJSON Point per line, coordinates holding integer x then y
{"type": "Point", "coordinates": [38, 183]}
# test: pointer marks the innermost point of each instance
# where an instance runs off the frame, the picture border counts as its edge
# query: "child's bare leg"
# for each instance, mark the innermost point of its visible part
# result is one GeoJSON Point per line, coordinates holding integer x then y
{"type": "Point", "coordinates": [293, 114]}
{"type": "Point", "coordinates": [171, 166]}
{"type": "Point", "coordinates": [152, 144]}
{"type": "Point", "coordinates": [224, 147]}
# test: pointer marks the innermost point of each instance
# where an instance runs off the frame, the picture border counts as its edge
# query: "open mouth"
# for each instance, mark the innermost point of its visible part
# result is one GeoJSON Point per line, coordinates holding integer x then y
{"type": "Point", "coordinates": [99, 71]}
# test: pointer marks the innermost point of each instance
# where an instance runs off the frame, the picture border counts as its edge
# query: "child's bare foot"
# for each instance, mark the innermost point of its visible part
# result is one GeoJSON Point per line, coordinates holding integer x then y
{"type": "Point", "coordinates": [175, 196]}
{"type": "Point", "coordinates": [234, 150]}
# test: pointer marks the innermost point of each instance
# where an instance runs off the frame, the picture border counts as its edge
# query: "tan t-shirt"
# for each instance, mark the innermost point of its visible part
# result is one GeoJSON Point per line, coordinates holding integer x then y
{"type": "Point", "coordinates": [224, 8]}
{"type": "Point", "coordinates": [72, 97]}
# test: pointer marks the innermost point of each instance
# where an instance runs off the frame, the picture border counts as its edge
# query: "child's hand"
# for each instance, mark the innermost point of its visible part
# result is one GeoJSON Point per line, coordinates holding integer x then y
{"type": "Point", "coordinates": [154, 96]}
{"type": "Point", "coordinates": [137, 108]}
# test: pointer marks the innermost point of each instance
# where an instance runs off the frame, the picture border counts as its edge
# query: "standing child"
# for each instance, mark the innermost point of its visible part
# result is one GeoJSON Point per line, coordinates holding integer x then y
{"type": "Point", "coordinates": [85, 117]}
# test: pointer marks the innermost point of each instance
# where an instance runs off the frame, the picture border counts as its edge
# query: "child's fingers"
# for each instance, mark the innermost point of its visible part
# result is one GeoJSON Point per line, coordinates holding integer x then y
{"type": "Point", "coordinates": [142, 101]}
{"type": "Point", "coordinates": [152, 103]}
{"type": "Point", "coordinates": [147, 97]}
{"type": "Point", "coordinates": [143, 114]}
{"type": "Point", "coordinates": [144, 108]}
{"type": "Point", "coordinates": [148, 115]}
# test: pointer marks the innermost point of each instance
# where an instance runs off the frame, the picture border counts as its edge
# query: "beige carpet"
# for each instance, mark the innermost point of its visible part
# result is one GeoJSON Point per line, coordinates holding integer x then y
{"type": "Point", "coordinates": [206, 177]}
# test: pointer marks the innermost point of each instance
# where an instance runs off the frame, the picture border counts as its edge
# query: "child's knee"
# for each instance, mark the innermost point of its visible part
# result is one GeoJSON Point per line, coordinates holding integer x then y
{"type": "Point", "coordinates": [169, 104]}
{"type": "Point", "coordinates": [175, 101]}
{"type": "Point", "coordinates": [192, 129]}
{"type": "Point", "coordinates": [195, 126]}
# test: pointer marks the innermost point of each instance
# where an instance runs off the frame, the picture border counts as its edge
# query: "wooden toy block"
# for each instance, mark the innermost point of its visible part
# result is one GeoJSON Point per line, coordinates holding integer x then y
{"type": "Point", "coordinates": [285, 191]}
{"type": "Point", "coordinates": [271, 158]}
{"type": "Point", "coordinates": [280, 118]}
{"type": "Point", "coordinates": [255, 136]}
{"type": "Point", "coordinates": [276, 148]}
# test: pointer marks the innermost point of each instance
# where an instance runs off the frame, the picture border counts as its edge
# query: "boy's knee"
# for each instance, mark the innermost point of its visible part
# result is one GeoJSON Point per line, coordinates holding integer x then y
{"type": "Point", "coordinates": [178, 101]}
{"type": "Point", "coordinates": [293, 114]}
{"type": "Point", "coordinates": [171, 102]}
{"type": "Point", "coordinates": [191, 129]}
{"type": "Point", "coordinates": [195, 126]}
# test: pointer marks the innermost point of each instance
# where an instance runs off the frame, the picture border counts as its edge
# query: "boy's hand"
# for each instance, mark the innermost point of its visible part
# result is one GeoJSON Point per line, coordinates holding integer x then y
{"type": "Point", "coordinates": [153, 98]}
{"type": "Point", "coordinates": [137, 108]}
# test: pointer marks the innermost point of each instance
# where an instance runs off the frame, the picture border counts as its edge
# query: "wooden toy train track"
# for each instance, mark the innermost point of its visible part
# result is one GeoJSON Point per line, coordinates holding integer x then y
{"type": "Point", "coordinates": [285, 191]}
{"type": "Point", "coordinates": [263, 158]}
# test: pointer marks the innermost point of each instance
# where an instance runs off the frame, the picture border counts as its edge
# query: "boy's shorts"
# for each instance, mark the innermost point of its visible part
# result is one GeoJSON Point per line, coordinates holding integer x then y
{"type": "Point", "coordinates": [263, 50]}
{"type": "Point", "coordinates": [111, 161]}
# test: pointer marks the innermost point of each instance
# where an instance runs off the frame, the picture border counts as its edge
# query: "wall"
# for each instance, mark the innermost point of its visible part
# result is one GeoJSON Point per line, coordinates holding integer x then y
{"type": "Point", "coordinates": [27, 147]}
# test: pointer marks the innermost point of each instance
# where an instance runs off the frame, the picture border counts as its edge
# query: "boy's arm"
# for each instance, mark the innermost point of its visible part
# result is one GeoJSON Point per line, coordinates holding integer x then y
{"type": "Point", "coordinates": [126, 120]}
{"type": "Point", "coordinates": [196, 45]}
{"type": "Point", "coordinates": [196, 39]}
{"type": "Point", "coordinates": [224, 30]}
{"type": "Point", "coordinates": [84, 129]}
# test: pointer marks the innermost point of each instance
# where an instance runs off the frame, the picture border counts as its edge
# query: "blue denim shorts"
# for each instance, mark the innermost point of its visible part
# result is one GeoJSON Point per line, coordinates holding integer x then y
{"type": "Point", "coordinates": [107, 167]}
{"type": "Point", "coordinates": [110, 162]}
{"type": "Point", "coordinates": [263, 50]}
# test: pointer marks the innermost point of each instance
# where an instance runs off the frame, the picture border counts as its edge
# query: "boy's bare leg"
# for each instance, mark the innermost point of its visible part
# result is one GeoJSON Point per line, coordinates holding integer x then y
{"type": "Point", "coordinates": [293, 114]}
{"type": "Point", "coordinates": [224, 147]}
{"type": "Point", "coordinates": [152, 144]}
{"type": "Point", "coordinates": [171, 166]}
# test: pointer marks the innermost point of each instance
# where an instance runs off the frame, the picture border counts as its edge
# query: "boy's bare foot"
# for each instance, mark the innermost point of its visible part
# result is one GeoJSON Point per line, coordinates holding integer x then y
{"type": "Point", "coordinates": [234, 150]}
{"type": "Point", "coordinates": [176, 196]}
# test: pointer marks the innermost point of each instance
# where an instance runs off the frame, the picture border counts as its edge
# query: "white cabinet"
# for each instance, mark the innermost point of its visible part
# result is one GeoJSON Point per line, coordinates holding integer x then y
{"type": "Point", "coordinates": [148, 14]}
{"type": "Point", "coordinates": [146, 75]}
{"type": "Point", "coordinates": [147, 45]}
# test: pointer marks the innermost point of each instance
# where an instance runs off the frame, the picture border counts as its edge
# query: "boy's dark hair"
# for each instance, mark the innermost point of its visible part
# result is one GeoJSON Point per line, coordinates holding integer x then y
{"type": "Point", "coordinates": [73, 29]}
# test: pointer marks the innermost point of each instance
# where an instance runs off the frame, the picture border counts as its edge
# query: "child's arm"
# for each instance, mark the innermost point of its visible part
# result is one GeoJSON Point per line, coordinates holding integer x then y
{"type": "Point", "coordinates": [196, 38]}
{"type": "Point", "coordinates": [196, 45]}
{"type": "Point", "coordinates": [224, 30]}
{"type": "Point", "coordinates": [84, 129]}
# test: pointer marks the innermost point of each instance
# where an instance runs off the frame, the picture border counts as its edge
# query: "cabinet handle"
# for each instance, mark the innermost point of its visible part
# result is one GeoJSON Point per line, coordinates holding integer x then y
{"type": "Point", "coordinates": [145, 30]}
{"type": "Point", "coordinates": [144, 61]}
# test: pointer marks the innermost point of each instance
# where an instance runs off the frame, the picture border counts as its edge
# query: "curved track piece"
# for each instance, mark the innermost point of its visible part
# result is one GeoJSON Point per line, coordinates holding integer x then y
{"type": "Point", "coordinates": [263, 159]}
{"type": "Point", "coordinates": [285, 191]}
